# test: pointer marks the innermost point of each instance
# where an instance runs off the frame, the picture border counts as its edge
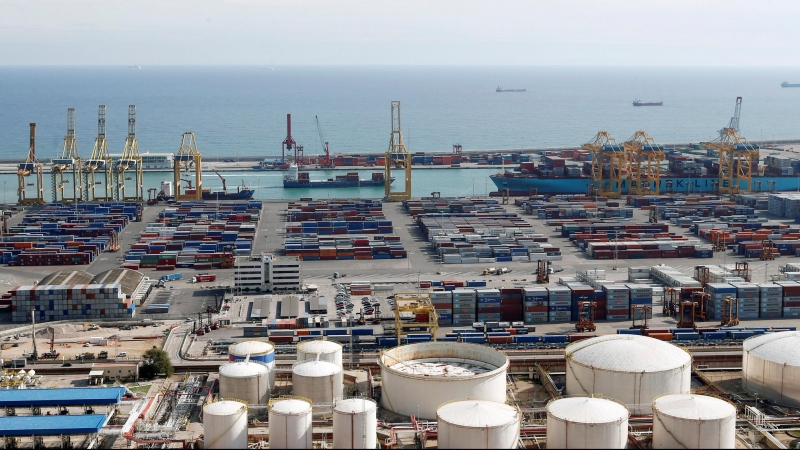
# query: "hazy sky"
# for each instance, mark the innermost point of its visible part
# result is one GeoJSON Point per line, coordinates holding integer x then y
{"type": "Point", "coordinates": [347, 32]}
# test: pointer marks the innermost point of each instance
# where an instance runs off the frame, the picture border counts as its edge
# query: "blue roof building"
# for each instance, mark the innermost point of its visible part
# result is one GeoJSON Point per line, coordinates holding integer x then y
{"type": "Point", "coordinates": [20, 398]}
{"type": "Point", "coordinates": [51, 425]}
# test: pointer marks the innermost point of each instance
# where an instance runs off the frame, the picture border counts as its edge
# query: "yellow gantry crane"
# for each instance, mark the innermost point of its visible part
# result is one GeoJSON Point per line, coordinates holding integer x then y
{"type": "Point", "coordinates": [68, 169]}
{"type": "Point", "coordinates": [187, 157]}
{"type": "Point", "coordinates": [737, 158]}
{"type": "Point", "coordinates": [420, 306]}
{"type": "Point", "coordinates": [604, 150]}
{"type": "Point", "coordinates": [397, 157]}
{"type": "Point", "coordinates": [645, 159]}
{"type": "Point", "coordinates": [31, 167]}
{"type": "Point", "coordinates": [130, 162]}
{"type": "Point", "coordinates": [97, 171]}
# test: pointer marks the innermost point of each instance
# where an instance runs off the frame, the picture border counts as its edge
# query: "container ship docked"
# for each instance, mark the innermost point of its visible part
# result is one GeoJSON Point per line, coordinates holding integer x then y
{"type": "Point", "coordinates": [296, 179]}
{"type": "Point", "coordinates": [685, 171]}
{"type": "Point", "coordinates": [242, 193]}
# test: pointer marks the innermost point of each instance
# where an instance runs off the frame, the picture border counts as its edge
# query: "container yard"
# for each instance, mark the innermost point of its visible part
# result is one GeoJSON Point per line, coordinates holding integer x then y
{"type": "Point", "coordinates": [535, 334]}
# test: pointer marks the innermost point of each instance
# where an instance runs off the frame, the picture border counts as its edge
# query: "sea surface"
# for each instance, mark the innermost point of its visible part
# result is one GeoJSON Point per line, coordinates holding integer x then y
{"type": "Point", "coordinates": [241, 111]}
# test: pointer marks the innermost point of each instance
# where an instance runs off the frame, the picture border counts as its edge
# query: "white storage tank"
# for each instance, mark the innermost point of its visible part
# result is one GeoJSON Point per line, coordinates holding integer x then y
{"type": "Point", "coordinates": [245, 380]}
{"type": "Point", "coordinates": [477, 424]}
{"type": "Point", "coordinates": [329, 351]}
{"type": "Point", "coordinates": [259, 351]}
{"type": "Point", "coordinates": [768, 361]}
{"type": "Point", "coordinates": [225, 425]}
{"type": "Point", "coordinates": [631, 369]}
{"type": "Point", "coordinates": [290, 423]}
{"type": "Point", "coordinates": [586, 422]}
{"type": "Point", "coordinates": [418, 378]}
{"type": "Point", "coordinates": [320, 381]}
{"type": "Point", "coordinates": [693, 421]}
{"type": "Point", "coordinates": [355, 423]}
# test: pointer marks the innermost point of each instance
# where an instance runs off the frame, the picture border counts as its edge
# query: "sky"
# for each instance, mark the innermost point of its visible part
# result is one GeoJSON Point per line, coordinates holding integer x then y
{"type": "Point", "coordinates": [748, 33]}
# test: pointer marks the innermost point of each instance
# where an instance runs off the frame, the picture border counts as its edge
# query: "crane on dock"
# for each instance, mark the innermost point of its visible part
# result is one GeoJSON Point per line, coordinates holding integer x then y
{"type": "Point", "coordinates": [737, 159]}
{"type": "Point", "coordinates": [31, 167]}
{"type": "Point", "coordinates": [131, 161]}
{"type": "Point", "coordinates": [605, 149]}
{"type": "Point", "coordinates": [68, 169]}
{"type": "Point", "coordinates": [734, 122]}
{"type": "Point", "coordinates": [188, 156]}
{"type": "Point", "coordinates": [397, 157]}
{"type": "Point", "coordinates": [645, 158]}
{"type": "Point", "coordinates": [327, 162]}
{"type": "Point", "coordinates": [224, 185]}
{"type": "Point", "coordinates": [97, 170]}
{"type": "Point", "coordinates": [289, 144]}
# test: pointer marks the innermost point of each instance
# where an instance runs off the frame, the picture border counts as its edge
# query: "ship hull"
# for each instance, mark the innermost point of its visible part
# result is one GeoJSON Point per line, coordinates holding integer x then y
{"type": "Point", "coordinates": [679, 184]}
{"type": "Point", "coordinates": [331, 184]}
{"type": "Point", "coordinates": [244, 194]}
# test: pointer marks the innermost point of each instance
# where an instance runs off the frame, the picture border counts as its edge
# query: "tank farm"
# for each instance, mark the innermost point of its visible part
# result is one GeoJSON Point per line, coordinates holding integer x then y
{"type": "Point", "coordinates": [600, 319]}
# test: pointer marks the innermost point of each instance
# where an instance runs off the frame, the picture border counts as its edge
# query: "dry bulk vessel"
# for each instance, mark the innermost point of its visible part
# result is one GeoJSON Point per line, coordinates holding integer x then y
{"type": "Point", "coordinates": [245, 380]}
{"type": "Point", "coordinates": [290, 423]}
{"type": "Point", "coordinates": [477, 424]}
{"type": "Point", "coordinates": [329, 351]}
{"type": "Point", "coordinates": [693, 421]}
{"type": "Point", "coordinates": [355, 423]}
{"type": "Point", "coordinates": [418, 378]}
{"type": "Point", "coordinates": [768, 361]}
{"type": "Point", "coordinates": [225, 425]}
{"type": "Point", "coordinates": [586, 422]}
{"type": "Point", "coordinates": [320, 381]}
{"type": "Point", "coordinates": [631, 369]}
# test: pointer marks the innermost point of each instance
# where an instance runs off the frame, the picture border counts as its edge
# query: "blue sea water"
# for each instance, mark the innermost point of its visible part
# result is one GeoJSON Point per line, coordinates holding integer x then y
{"type": "Point", "coordinates": [242, 111]}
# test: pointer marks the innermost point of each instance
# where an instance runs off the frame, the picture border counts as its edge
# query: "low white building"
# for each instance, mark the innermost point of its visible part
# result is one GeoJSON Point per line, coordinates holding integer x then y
{"type": "Point", "coordinates": [266, 273]}
{"type": "Point", "coordinates": [153, 161]}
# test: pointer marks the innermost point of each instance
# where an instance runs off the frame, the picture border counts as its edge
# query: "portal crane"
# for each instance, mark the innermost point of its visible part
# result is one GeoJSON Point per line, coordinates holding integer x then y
{"type": "Point", "coordinates": [188, 156]}
{"type": "Point", "coordinates": [288, 143]}
{"type": "Point", "coordinates": [734, 122]}
{"type": "Point", "coordinates": [31, 166]}
{"type": "Point", "coordinates": [98, 167]}
{"type": "Point", "coordinates": [68, 169]}
{"type": "Point", "coordinates": [645, 157]}
{"type": "Point", "coordinates": [327, 163]}
{"type": "Point", "coordinates": [131, 161]}
{"type": "Point", "coordinates": [737, 157]}
{"type": "Point", "coordinates": [224, 186]}
{"type": "Point", "coordinates": [397, 157]}
{"type": "Point", "coordinates": [605, 148]}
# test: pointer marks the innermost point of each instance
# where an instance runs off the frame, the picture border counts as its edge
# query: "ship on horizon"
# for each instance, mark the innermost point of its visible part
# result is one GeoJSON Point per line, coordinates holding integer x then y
{"type": "Point", "coordinates": [500, 89]}
{"type": "Point", "coordinates": [638, 102]}
{"type": "Point", "coordinates": [787, 84]}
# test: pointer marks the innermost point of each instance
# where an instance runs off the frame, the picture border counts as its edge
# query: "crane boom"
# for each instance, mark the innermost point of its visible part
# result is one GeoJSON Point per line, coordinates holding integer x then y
{"type": "Point", "coordinates": [325, 147]}
{"type": "Point", "coordinates": [224, 186]}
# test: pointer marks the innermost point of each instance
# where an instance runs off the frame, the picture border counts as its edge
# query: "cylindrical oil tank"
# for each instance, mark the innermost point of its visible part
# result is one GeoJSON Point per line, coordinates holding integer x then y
{"type": "Point", "coordinates": [693, 421]}
{"type": "Point", "coordinates": [771, 366]}
{"type": "Point", "coordinates": [320, 381]}
{"type": "Point", "coordinates": [355, 423]}
{"type": "Point", "coordinates": [477, 424]}
{"type": "Point", "coordinates": [290, 423]}
{"type": "Point", "coordinates": [260, 351]}
{"type": "Point", "coordinates": [586, 422]}
{"type": "Point", "coordinates": [418, 378]}
{"type": "Point", "coordinates": [225, 425]}
{"type": "Point", "coordinates": [245, 380]}
{"type": "Point", "coordinates": [631, 369]}
{"type": "Point", "coordinates": [329, 351]}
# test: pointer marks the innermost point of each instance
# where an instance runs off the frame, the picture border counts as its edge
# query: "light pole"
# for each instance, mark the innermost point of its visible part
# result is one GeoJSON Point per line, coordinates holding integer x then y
{"type": "Point", "coordinates": [616, 249]}
{"type": "Point", "coordinates": [4, 193]}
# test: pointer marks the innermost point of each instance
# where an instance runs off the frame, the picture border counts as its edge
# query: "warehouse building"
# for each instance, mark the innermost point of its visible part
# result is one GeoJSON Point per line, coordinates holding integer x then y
{"type": "Point", "coordinates": [75, 294]}
{"type": "Point", "coordinates": [266, 273]}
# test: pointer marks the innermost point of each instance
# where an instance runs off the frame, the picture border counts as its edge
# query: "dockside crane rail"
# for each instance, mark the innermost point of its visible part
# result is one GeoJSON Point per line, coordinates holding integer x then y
{"type": "Point", "coordinates": [188, 156]}
{"type": "Point", "coordinates": [31, 167]}
{"type": "Point", "coordinates": [98, 166]}
{"type": "Point", "coordinates": [645, 159]}
{"type": "Point", "coordinates": [604, 148]}
{"type": "Point", "coordinates": [325, 147]}
{"type": "Point", "coordinates": [131, 161]}
{"type": "Point", "coordinates": [397, 157]}
{"type": "Point", "coordinates": [68, 169]}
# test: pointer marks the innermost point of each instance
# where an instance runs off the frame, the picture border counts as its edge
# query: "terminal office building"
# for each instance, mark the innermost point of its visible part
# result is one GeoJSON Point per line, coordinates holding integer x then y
{"type": "Point", "coordinates": [266, 273]}
{"type": "Point", "coordinates": [78, 295]}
